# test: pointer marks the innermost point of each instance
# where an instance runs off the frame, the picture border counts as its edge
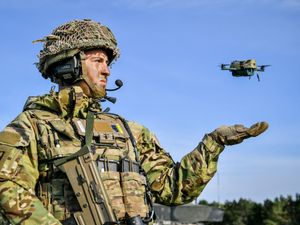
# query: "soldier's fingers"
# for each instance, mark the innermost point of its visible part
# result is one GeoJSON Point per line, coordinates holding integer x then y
{"type": "Point", "coordinates": [257, 129]}
{"type": "Point", "coordinates": [240, 128]}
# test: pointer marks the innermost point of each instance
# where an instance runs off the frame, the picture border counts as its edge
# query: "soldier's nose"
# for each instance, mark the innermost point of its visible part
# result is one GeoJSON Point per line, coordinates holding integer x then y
{"type": "Point", "coordinates": [106, 71]}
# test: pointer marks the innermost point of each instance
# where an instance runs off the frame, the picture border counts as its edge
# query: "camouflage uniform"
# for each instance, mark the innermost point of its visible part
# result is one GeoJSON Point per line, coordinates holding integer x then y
{"type": "Point", "coordinates": [24, 154]}
{"type": "Point", "coordinates": [34, 190]}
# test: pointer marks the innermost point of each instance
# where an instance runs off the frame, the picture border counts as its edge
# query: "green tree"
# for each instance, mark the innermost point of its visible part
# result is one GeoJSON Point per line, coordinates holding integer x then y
{"type": "Point", "coordinates": [293, 209]}
{"type": "Point", "coordinates": [276, 212]}
{"type": "Point", "coordinates": [280, 211]}
{"type": "Point", "coordinates": [243, 212]}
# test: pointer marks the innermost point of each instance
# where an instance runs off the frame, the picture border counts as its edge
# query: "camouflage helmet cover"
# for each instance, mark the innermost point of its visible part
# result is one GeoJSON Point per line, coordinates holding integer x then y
{"type": "Point", "coordinates": [70, 38]}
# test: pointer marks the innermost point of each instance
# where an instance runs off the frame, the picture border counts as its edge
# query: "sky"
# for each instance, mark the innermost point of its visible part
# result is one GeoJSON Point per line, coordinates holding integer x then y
{"type": "Point", "coordinates": [170, 56]}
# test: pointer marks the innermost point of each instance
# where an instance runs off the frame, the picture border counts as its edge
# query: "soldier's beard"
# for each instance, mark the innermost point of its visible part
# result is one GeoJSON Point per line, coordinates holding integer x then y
{"type": "Point", "coordinates": [96, 91]}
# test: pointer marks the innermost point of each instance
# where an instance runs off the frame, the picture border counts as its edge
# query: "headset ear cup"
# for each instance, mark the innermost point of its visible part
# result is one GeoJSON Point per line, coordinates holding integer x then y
{"type": "Point", "coordinates": [67, 71]}
{"type": "Point", "coordinates": [78, 70]}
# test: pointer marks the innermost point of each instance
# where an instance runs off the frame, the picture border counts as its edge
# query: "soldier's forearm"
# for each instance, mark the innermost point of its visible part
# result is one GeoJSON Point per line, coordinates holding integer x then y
{"type": "Point", "coordinates": [179, 183]}
{"type": "Point", "coordinates": [197, 168]}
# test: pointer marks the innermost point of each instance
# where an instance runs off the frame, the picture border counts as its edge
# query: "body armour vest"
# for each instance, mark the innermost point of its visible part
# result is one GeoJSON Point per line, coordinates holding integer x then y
{"type": "Point", "coordinates": [63, 152]}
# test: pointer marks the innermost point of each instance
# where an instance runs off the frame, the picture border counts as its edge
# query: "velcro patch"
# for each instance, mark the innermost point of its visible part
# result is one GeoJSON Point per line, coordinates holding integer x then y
{"type": "Point", "coordinates": [101, 126]}
{"type": "Point", "coordinates": [10, 138]}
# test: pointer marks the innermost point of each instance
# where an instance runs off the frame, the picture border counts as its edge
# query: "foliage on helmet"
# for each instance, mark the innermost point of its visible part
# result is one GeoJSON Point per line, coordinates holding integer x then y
{"type": "Point", "coordinates": [68, 39]}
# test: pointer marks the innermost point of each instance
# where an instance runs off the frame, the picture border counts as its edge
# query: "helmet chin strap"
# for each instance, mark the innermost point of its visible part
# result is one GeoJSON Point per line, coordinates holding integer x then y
{"type": "Point", "coordinates": [96, 91]}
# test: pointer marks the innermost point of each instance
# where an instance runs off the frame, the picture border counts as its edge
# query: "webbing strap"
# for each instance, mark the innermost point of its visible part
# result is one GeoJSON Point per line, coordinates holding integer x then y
{"type": "Point", "coordinates": [89, 128]}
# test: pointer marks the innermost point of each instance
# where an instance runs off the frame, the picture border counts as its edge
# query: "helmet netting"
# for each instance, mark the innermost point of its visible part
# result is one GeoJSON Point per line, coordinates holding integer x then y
{"type": "Point", "coordinates": [78, 34]}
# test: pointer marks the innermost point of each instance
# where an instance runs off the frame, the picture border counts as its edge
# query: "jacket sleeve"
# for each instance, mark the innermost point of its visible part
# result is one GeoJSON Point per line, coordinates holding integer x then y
{"type": "Point", "coordinates": [19, 174]}
{"type": "Point", "coordinates": [176, 183]}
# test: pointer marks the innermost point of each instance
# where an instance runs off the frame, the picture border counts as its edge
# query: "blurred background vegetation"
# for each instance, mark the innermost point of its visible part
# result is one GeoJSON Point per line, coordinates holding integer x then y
{"type": "Point", "coordinates": [280, 211]}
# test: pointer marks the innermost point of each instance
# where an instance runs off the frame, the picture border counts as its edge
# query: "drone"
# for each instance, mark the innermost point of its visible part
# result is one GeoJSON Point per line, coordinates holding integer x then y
{"type": "Point", "coordinates": [244, 68]}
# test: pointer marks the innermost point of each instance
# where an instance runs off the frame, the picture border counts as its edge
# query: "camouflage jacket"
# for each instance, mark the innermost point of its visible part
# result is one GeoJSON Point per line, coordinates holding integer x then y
{"type": "Point", "coordinates": [20, 155]}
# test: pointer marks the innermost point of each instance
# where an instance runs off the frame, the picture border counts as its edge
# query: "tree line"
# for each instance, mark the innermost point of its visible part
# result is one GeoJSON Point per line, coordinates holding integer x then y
{"type": "Point", "coordinates": [280, 211]}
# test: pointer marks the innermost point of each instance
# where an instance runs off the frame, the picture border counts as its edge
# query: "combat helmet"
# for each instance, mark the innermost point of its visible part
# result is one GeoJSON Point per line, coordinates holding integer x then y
{"type": "Point", "coordinates": [69, 40]}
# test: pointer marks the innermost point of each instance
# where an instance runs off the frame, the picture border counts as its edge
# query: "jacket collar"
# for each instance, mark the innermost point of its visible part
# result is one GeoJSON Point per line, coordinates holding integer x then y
{"type": "Point", "coordinates": [68, 103]}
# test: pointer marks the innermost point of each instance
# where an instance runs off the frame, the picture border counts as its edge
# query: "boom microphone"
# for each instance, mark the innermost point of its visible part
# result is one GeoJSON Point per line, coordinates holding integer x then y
{"type": "Point", "coordinates": [113, 100]}
{"type": "Point", "coordinates": [119, 84]}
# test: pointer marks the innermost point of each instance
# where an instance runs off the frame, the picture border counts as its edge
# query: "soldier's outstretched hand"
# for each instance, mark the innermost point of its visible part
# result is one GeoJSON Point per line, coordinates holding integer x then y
{"type": "Point", "coordinates": [231, 135]}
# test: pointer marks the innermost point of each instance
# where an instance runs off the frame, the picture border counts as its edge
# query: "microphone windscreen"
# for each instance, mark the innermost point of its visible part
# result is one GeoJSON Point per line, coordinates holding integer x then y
{"type": "Point", "coordinates": [119, 83]}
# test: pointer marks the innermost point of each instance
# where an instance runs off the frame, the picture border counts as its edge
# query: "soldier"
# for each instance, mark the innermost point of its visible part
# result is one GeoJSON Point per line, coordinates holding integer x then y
{"type": "Point", "coordinates": [44, 151]}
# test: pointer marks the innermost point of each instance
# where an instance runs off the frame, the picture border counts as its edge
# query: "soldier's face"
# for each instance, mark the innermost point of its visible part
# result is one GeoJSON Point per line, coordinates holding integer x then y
{"type": "Point", "coordinates": [97, 67]}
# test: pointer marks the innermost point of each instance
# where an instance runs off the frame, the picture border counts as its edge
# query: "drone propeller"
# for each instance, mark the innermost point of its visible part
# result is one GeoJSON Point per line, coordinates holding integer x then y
{"type": "Point", "coordinates": [223, 66]}
{"type": "Point", "coordinates": [262, 67]}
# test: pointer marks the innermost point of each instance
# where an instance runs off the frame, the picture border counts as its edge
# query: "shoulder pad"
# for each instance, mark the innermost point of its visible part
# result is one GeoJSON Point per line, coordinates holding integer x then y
{"type": "Point", "coordinates": [10, 138]}
{"type": "Point", "coordinates": [19, 132]}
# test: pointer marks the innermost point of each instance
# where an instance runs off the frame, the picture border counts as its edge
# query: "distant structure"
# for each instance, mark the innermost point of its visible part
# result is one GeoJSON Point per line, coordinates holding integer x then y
{"type": "Point", "coordinates": [187, 214]}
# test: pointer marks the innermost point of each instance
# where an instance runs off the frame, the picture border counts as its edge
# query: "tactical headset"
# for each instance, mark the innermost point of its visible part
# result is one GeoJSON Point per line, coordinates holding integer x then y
{"type": "Point", "coordinates": [66, 71]}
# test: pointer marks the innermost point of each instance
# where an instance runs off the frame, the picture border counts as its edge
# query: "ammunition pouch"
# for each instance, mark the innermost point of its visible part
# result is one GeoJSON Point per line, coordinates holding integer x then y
{"type": "Point", "coordinates": [124, 165]}
{"type": "Point", "coordinates": [106, 190]}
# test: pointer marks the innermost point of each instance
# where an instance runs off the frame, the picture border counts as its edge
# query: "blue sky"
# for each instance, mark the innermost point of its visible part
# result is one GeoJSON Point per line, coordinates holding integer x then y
{"type": "Point", "coordinates": [170, 53]}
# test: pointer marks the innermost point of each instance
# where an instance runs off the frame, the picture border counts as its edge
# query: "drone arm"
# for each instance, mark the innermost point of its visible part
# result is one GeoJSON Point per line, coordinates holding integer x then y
{"type": "Point", "coordinates": [223, 67]}
{"type": "Point", "coordinates": [231, 69]}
